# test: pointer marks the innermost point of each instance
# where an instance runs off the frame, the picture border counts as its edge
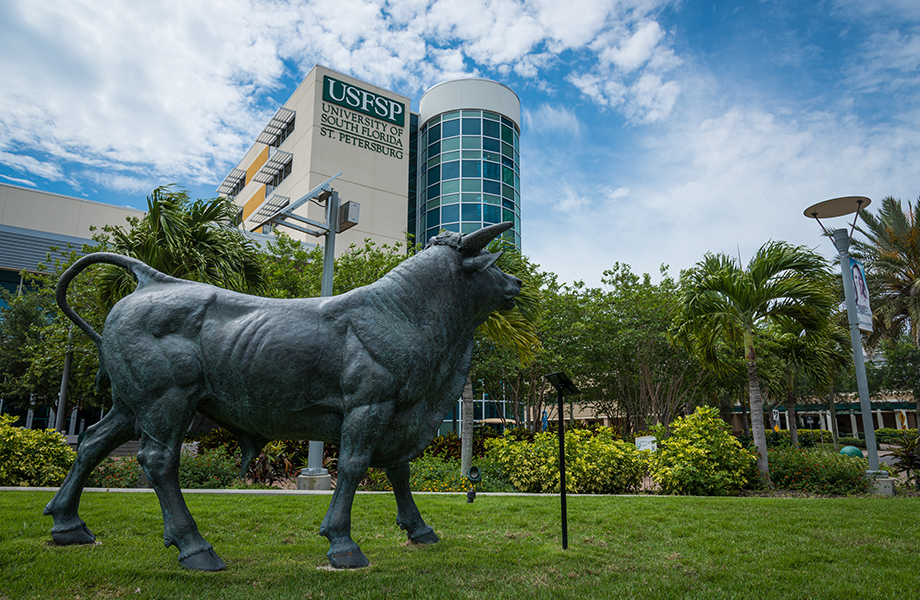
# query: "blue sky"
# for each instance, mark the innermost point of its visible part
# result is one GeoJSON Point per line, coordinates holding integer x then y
{"type": "Point", "coordinates": [654, 131]}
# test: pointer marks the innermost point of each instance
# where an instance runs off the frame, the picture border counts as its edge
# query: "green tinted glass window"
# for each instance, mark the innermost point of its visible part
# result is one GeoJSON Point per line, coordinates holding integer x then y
{"type": "Point", "coordinates": [471, 197]}
{"type": "Point", "coordinates": [492, 156]}
{"type": "Point", "coordinates": [451, 144]}
{"type": "Point", "coordinates": [434, 161]}
{"type": "Point", "coordinates": [448, 156]}
{"type": "Point", "coordinates": [492, 199]}
{"type": "Point", "coordinates": [507, 176]}
{"type": "Point", "coordinates": [450, 187]}
{"type": "Point", "coordinates": [471, 142]}
{"type": "Point", "coordinates": [491, 129]}
{"type": "Point", "coordinates": [489, 115]}
{"type": "Point", "coordinates": [507, 150]}
{"type": "Point", "coordinates": [434, 203]}
{"type": "Point", "coordinates": [472, 185]}
{"type": "Point", "coordinates": [450, 115]}
{"type": "Point", "coordinates": [450, 128]}
{"type": "Point", "coordinates": [471, 154]}
{"type": "Point", "coordinates": [507, 134]}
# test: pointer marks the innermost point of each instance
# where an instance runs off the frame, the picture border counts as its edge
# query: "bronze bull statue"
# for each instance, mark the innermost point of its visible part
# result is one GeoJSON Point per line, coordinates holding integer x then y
{"type": "Point", "coordinates": [373, 371]}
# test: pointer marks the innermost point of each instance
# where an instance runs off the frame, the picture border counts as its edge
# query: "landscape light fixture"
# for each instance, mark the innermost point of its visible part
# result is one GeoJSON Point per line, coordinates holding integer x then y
{"type": "Point", "coordinates": [563, 385]}
{"type": "Point", "coordinates": [839, 207]}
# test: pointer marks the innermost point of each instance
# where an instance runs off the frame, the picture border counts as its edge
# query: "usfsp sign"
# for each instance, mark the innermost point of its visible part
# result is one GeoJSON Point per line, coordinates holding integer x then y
{"type": "Point", "coordinates": [363, 101]}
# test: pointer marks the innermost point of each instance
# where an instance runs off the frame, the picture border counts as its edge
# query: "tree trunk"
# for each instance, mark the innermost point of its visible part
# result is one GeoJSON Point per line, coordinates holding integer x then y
{"type": "Point", "coordinates": [466, 429]}
{"type": "Point", "coordinates": [757, 427]}
{"type": "Point", "coordinates": [744, 415]}
{"type": "Point", "coordinates": [793, 420]}
{"type": "Point", "coordinates": [833, 407]}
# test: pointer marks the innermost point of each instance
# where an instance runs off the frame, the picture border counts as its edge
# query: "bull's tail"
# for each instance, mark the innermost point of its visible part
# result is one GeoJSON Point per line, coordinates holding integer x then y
{"type": "Point", "coordinates": [141, 272]}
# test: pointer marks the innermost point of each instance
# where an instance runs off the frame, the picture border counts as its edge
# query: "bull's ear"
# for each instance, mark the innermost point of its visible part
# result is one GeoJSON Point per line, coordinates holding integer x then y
{"type": "Point", "coordinates": [472, 243]}
{"type": "Point", "coordinates": [480, 263]}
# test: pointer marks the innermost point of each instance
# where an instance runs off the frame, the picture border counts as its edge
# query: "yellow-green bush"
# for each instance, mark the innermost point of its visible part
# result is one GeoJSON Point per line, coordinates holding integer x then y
{"type": "Point", "coordinates": [700, 458]}
{"type": "Point", "coordinates": [596, 462]}
{"type": "Point", "coordinates": [32, 457]}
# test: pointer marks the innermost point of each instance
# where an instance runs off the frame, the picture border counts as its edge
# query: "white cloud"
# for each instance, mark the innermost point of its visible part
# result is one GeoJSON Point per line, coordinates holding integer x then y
{"type": "Point", "coordinates": [19, 181]}
{"type": "Point", "coordinates": [547, 118]}
{"type": "Point", "coordinates": [636, 50]}
{"type": "Point", "coordinates": [175, 90]}
{"type": "Point", "coordinates": [28, 164]}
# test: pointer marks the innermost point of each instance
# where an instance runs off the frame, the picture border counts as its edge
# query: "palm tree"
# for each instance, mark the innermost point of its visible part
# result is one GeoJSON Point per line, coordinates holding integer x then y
{"type": "Point", "coordinates": [515, 330]}
{"type": "Point", "coordinates": [723, 301]}
{"type": "Point", "coordinates": [892, 256]}
{"type": "Point", "coordinates": [818, 355]}
{"type": "Point", "coordinates": [193, 240]}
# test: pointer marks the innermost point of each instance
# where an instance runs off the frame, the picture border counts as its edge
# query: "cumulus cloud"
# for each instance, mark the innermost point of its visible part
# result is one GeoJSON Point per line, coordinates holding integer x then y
{"type": "Point", "coordinates": [177, 90]}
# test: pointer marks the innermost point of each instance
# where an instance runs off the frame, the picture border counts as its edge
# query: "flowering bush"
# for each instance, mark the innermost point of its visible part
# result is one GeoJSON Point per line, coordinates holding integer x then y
{"type": "Point", "coordinates": [701, 457]}
{"type": "Point", "coordinates": [596, 462]}
{"type": "Point", "coordinates": [818, 472]}
{"type": "Point", "coordinates": [213, 469]}
{"type": "Point", "coordinates": [121, 472]}
{"type": "Point", "coordinates": [32, 457]}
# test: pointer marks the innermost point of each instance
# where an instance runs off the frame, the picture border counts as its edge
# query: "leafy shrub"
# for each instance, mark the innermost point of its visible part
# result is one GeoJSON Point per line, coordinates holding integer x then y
{"type": "Point", "coordinates": [818, 472]}
{"type": "Point", "coordinates": [32, 457]}
{"type": "Point", "coordinates": [851, 441]}
{"type": "Point", "coordinates": [445, 447]}
{"type": "Point", "coordinates": [886, 435]}
{"type": "Point", "coordinates": [213, 469]}
{"type": "Point", "coordinates": [122, 472]}
{"type": "Point", "coordinates": [596, 462]}
{"type": "Point", "coordinates": [908, 457]}
{"type": "Point", "coordinates": [701, 457]}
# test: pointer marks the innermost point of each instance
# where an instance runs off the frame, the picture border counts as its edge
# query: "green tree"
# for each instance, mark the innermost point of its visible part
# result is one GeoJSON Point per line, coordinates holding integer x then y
{"type": "Point", "coordinates": [196, 240]}
{"type": "Point", "coordinates": [815, 355]}
{"type": "Point", "coordinates": [633, 367]}
{"type": "Point", "coordinates": [722, 301]}
{"type": "Point", "coordinates": [891, 252]}
{"type": "Point", "coordinates": [511, 330]}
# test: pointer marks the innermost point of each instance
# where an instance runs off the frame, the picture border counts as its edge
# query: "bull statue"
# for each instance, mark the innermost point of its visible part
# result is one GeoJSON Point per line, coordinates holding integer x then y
{"type": "Point", "coordinates": [373, 371]}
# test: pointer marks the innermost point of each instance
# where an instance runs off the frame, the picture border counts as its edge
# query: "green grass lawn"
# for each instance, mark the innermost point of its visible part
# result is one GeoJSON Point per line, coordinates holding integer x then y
{"type": "Point", "coordinates": [498, 547]}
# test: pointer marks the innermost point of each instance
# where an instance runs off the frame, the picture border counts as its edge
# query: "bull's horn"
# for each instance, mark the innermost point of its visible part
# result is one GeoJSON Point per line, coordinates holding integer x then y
{"type": "Point", "coordinates": [472, 243]}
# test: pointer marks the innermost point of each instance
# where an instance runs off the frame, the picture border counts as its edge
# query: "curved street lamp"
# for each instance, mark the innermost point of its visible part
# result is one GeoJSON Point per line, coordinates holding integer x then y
{"type": "Point", "coordinates": [838, 207]}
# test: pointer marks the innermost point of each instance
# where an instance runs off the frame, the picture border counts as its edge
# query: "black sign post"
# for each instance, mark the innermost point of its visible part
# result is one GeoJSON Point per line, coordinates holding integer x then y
{"type": "Point", "coordinates": [563, 385]}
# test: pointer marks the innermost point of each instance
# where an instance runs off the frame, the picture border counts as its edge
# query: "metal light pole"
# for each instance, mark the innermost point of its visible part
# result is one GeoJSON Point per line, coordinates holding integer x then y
{"type": "Point", "coordinates": [563, 384]}
{"type": "Point", "coordinates": [337, 219]}
{"type": "Point", "coordinates": [835, 208]}
{"type": "Point", "coordinates": [65, 380]}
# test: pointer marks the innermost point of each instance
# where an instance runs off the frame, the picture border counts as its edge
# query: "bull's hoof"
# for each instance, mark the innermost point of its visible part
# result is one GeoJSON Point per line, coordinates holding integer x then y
{"type": "Point", "coordinates": [354, 559]}
{"type": "Point", "coordinates": [426, 538]}
{"type": "Point", "coordinates": [204, 560]}
{"type": "Point", "coordinates": [76, 535]}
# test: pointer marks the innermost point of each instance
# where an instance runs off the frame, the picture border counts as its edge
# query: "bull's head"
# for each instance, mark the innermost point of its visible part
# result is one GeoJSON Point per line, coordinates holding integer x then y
{"type": "Point", "coordinates": [477, 261]}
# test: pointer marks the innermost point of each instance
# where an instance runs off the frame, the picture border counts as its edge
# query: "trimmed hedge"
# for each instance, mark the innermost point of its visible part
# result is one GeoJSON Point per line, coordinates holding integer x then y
{"type": "Point", "coordinates": [818, 472]}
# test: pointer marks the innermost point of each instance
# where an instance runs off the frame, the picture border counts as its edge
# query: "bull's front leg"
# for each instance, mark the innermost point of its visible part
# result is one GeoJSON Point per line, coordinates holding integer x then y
{"type": "Point", "coordinates": [408, 517]}
{"type": "Point", "coordinates": [360, 431]}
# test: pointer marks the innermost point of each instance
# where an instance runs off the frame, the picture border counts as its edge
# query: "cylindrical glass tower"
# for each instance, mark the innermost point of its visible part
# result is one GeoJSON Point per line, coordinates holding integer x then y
{"type": "Point", "coordinates": [468, 158]}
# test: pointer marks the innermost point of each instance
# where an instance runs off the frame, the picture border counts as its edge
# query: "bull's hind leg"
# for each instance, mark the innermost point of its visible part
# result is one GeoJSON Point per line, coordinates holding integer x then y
{"type": "Point", "coordinates": [98, 442]}
{"type": "Point", "coordinates": [163, 429]}
{"type": "Point", "coordinates": [407, 515]}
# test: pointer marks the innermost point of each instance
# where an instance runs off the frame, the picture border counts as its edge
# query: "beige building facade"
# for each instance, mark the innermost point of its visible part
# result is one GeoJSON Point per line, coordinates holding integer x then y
{"type": "Point", "coordinates": [33, 222]}
{"type": "Point", "coordinates": [331, 124]}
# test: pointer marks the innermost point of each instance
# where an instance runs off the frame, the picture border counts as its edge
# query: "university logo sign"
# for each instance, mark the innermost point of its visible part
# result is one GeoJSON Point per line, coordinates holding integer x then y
{"type": "Point", "coordinates": [363, 101]}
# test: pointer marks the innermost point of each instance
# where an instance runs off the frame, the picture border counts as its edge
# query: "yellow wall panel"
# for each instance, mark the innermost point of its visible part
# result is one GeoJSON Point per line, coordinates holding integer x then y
{"type": "Point", "coordinates": [254, 202]}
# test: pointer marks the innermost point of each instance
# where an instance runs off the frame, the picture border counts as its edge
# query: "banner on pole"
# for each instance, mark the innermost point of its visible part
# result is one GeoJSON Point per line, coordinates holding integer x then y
{"type": "Point", "coordinates": [863, 310]}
